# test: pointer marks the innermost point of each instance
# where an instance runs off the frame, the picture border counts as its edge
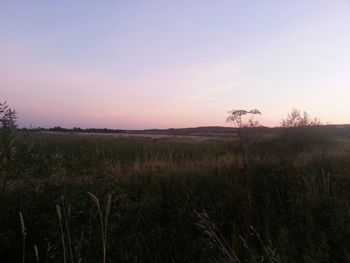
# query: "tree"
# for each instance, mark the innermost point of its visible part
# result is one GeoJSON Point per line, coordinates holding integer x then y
{"type": "Point", "coordinates": [298, 119]}
{"type": "Point", "coordinates": [8, 127]}
{"type": "Point", "coordinates": [242, 119]}
{"type": "Point", "coordinates": [302, 132]}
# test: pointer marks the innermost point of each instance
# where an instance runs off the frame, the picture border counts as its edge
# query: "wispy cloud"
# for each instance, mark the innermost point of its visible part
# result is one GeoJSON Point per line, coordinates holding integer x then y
{"type": "Point", "coordinates": [54, 92]}
{"type": "Point", "coordinates": [215, 81]}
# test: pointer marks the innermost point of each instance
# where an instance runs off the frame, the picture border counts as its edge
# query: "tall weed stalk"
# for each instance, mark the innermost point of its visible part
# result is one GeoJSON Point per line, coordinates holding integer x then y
{"type": "Point", "coordinates": [103, 221]}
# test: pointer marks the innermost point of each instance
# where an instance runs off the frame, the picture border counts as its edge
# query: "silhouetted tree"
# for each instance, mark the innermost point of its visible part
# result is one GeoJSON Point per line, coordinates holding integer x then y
{"type": "Point", "coordinates": [298, 119]}
{"type": "Point", "coordinates": [7, 142]}
{"type": "Point", "coordinates": [302, 132]}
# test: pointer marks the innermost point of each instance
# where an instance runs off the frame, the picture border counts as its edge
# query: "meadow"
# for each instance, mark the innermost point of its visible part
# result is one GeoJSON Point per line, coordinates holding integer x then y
{"type": "Point", "coordinates": [72, 197]}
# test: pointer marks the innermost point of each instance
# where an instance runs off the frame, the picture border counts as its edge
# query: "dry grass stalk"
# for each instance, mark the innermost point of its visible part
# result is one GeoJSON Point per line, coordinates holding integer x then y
{"type": "Point", "coordinates": [216, 237]}
{"type": "Point", "coordinates": [48, 251]}
{"type": "Point", "coordinates": [23, 230]}
{"type": "Point", "coordinates": [103, 222]}
{"type": "Point", "coordinates": [59, 214]}
{"type": "Point", "coordinates": [269, 254]}
{"type": "Point", "coordinates": [67, 228]}
{"type": "Point", "coordinates": [36, 251]}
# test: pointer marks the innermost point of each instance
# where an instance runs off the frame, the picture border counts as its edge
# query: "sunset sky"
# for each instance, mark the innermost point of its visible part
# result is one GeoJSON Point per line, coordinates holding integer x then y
{"type": "Point", "coordinates": [161, 64]}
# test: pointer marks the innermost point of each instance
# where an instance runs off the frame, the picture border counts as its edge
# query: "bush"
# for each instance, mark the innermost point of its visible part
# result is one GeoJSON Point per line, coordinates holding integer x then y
{"type": "Point", "coordinates": [7, 144]}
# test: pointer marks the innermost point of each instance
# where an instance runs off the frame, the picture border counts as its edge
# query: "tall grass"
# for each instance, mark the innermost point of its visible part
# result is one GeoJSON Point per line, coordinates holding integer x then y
{"type": "Point", "coordinates": [300, 201]}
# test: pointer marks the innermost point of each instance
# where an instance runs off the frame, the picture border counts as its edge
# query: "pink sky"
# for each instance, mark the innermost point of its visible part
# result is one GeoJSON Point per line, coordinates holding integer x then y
{"type": "Point", "coordinates": [177, 67]}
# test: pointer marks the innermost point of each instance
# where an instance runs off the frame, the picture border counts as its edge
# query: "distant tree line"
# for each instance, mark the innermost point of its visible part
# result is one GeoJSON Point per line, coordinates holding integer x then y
{"type": "Point", "coordinates": [76, 129]}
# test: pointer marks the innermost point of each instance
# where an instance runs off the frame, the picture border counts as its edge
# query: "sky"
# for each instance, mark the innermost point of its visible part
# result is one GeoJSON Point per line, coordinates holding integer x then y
{"type": "Point", "coordinates": [160, 64]}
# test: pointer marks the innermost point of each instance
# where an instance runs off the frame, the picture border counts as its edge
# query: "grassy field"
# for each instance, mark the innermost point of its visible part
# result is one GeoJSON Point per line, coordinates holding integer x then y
{"type": "Point", "coordinates": [176, 198]}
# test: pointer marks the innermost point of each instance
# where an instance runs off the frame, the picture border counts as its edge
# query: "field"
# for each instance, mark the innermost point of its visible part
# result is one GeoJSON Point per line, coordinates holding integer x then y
{"type": "Point", "coordinates": [72, 197]}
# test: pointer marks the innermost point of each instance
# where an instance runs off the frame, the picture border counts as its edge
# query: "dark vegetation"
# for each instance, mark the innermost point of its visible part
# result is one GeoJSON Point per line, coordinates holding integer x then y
{"type": "Point", "coordinates": [339, 130]}
{"type": "Point", "coordinates": [176, 200]}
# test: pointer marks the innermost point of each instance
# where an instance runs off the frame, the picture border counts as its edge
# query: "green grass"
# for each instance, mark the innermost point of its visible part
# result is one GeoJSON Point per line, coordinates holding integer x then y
{"type": "Point", "coordinates": [299, 187]}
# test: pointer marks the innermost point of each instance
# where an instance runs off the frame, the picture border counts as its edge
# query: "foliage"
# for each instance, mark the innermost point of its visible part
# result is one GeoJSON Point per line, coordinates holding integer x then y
{"type": "Point", "coordinates": [7, 143]}
{"type": "Point", "coordinates": [236, 118]}
{"type": "Point", "coordinates": [300, 131]}
{"type": "Point", "coordinates": [298, 119]}
{"type": "Point", "coordinates": [7, 116]}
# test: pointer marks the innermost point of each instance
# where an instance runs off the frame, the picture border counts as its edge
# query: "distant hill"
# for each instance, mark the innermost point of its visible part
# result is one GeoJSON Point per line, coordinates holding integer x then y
{"type": "Point", "coordinates": [192, 130]}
